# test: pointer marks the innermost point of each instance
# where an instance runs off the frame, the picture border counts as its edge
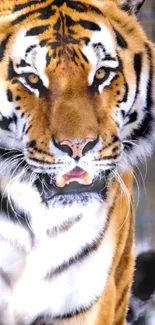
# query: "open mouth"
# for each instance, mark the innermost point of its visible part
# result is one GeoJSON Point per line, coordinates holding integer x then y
{"type": "Point", "coordinates": [77, 174]}
{"type": "Point", "coordinates": [74, 182]}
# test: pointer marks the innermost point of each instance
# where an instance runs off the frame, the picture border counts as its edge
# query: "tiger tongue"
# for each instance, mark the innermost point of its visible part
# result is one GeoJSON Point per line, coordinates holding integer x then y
{"type": "Point", "coordinates": [75, 175]}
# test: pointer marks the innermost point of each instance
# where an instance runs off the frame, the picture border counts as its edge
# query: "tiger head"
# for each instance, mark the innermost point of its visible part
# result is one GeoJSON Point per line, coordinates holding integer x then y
{"type": "Point", "coordinates": [76, 93]}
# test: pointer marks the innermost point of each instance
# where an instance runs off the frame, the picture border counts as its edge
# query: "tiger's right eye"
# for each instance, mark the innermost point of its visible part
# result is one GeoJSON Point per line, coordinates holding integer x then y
{"type": "Point", "coordinates": [100, 73]}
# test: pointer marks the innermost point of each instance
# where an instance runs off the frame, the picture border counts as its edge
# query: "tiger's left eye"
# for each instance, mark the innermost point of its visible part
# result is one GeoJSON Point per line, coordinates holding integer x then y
{"type": "Point", "coordinates": [100, 73]}
{"type": "Point", "coordinates": [33, 79]}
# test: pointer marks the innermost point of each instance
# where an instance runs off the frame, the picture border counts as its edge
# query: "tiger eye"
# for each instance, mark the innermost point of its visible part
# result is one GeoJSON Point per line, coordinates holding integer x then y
{"type": "Point", "coordinates": [100, 73]}
{"type": "Point", "coordinates": [33, 78]}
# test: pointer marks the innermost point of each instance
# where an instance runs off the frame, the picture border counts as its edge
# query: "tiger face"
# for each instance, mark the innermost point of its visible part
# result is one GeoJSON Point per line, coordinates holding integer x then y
{"type": "Point", "coordinates": [76, 91]}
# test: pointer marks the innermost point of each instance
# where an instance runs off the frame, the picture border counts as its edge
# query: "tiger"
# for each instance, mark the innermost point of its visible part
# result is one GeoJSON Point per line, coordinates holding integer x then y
{"type": "Point", "coordinates": [77, 115]}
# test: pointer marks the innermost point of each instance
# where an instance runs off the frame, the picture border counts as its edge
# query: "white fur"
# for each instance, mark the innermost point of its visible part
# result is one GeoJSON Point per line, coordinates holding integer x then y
{"type": "Point", "coordinates": [72, 288]}
{"type": "Point", "coordinates": [6, 108]}
{"type": "Point", "coordinates": [67, 291]}
{"type": "Point", "coordinates": [96, 56]}
{"type": "Point", "coordinates": [36, 57]}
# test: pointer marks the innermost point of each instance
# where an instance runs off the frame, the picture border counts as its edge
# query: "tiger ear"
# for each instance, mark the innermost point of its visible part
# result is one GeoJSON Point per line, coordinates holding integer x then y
{"type": "Point", "coordinates": [132, 6]}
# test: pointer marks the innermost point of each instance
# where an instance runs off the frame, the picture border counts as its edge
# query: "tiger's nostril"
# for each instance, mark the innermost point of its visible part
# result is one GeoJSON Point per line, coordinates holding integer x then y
{"type": "Point", "coordinates": [63, 147]}
{"type": "Point", "coordinates": [90, 145]}
{"type": "Point", "coordinates": [77, 148]}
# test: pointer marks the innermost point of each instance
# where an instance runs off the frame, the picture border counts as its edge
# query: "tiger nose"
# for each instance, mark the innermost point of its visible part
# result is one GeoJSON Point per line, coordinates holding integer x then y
{"type": "Point", "coordinates": [77, 148]}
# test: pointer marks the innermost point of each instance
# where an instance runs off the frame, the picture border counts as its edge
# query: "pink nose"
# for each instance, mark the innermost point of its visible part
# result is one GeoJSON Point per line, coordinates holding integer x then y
{"type": "Point", "coordinates": [77, 148]}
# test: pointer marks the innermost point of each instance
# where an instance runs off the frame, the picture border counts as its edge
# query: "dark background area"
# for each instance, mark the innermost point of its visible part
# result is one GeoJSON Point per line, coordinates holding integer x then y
{"type": "Point", "coordinates": [145, 216]}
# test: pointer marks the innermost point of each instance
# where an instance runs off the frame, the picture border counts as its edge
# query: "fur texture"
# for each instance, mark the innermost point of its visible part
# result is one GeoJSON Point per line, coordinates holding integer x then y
{"type": "Point", "coordinates": [77, 114]}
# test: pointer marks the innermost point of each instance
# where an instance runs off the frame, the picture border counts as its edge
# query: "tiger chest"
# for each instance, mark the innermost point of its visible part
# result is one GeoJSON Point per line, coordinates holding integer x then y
{"type": "Point", "coordinates": [54, 283]}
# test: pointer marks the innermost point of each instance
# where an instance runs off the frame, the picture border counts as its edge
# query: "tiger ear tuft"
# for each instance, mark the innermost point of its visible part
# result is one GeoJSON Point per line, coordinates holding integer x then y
{"type": "Point", "coordinates": [132, 6]}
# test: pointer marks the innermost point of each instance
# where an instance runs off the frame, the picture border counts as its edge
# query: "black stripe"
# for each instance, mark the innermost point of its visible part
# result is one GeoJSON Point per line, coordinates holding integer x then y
{"type": "Point", "coordinates": [107, 56]}
{"type": "Point", "coordinates": [78, 311]}
{"type": "Point", "coordinates": [132, 117]}
{"type": "Point", "coordinates": [138, 67]}
{"type": "Point", "coordinates": [146, 126]}
{"type": "Point", "coordinates": [58, 3]}
{"type": "Point", "coordinates": [27, 130]}
{"type": "Point", "coordinates": [65, 226]}
{"type": "Point", "coordinates": [27, 4]}
{"type": "Point", "coordinates": [98, 11]}
{"type": "Point", "coordinates": [81, 7]}
{"type": "Point", "coordinates": [7, 208]}
{"type": "Point", "coordinates": [89, 25]}
{"type": "Point", "coordinates": [114, 140]}
{"type": "Point", "coordinates": [9, 95]}
{"type": "Point", "coordinates": [31, 144]}
{"type": "Point", "coordinates": [44, 13]}
{"type": "Point", "coordinates": [120, 39]}
{"type": "Point", "coordinates": [4, 123]}
{"type": "Point", "coordinates": [77, 258]}
{"type": "Point", "coordinates": [40, 161]}
{"type": "Point", "coordinates": [22, 64]}
{"type": "Point", "coordinates": [16, 81]}
{"type": "Point", "coordinates": [54, 44]}
{"type": "Point", "coordinates": [69, 22]}
{"type": "Point", "coordinates": [46, 319]}
{"type": "Point", "coordinates": [3, 46]}
{"type": "Point", "coordinates": [86, 40]}
{"type": "Point", "coordinates": [77, 6]}
{"type": "Point", "coordinates": [23, 130]}
{"type": "Point", "coordinates": [84, 57]}
{"type": "Point", "coordinates": [86, 250]}
{"type": "Point", "coordinates": [29, 49]}
{"type": "Point", "coordinates": [150, 88]}
{"type": "Point", "coordinates": [11, 71]}
{"type": "Point", "coordinates": [44, 42]}
{"type": "Point", "coordinates": [14, 118]}
{"type": "Point", "coordinates": [125, 97]}
{"type": "Point", "coordinates": [48, 59]}
{"type": "Point", "coordinates": [22, 17]}
{"type": "Point", "coordinates": [37, 30]}
{"type": "Point", "coordinates": [109, 157]}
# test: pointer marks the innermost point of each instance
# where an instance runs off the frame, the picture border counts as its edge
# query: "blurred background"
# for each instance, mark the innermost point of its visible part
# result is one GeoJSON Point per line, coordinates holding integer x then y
{"type": "Point", "coordinates": [145, 193]}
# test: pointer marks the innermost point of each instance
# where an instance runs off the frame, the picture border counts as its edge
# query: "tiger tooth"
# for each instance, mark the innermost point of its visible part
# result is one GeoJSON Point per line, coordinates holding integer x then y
{"type": "Point", "coordinates": [88, 179]}
{"type": "Point", "coordinates": [60, 181]}
{"type": "Point", "coordinates": [78, 180]}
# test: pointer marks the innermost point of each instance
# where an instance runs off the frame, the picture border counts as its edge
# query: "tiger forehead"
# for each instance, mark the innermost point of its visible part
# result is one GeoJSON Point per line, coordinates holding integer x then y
{"type": "Point", "coordinates": [62, 37]}
{"type": "Point", "coordinates": [69, 25]}
{"type": "Point", "coordinates": [55, 45]}
{"type": "Point", "coordinates": [67, 22]}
